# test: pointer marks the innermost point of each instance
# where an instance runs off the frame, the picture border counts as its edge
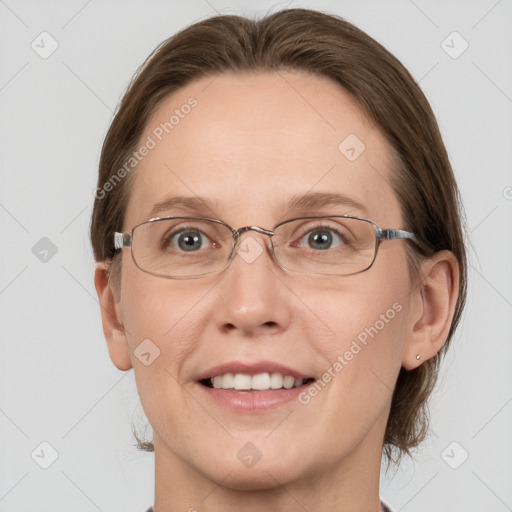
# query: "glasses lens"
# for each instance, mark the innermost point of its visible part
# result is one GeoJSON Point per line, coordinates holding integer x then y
{"type": "Point", "coordinates": [325, 245]}
{"type": "Point", "coordinates": [181, 247]}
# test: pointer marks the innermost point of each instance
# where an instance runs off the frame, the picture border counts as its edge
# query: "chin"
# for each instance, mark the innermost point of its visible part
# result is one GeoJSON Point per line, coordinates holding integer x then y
{"type": "Point", "coordinates": [253, 479]}
{"type": "Point", "coordinates": [263, 472]}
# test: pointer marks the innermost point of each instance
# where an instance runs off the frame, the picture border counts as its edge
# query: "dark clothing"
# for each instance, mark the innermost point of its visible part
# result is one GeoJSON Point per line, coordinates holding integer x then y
{"type": "Point", "coordinates": [385, 508]}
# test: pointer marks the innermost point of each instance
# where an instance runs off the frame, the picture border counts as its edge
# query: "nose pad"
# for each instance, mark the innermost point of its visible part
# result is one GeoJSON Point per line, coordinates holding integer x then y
{"type": "Point", "coordinates": [249, 249]}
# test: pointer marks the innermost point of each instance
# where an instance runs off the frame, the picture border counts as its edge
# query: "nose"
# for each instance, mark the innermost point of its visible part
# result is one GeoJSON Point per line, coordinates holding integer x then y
{"type": "Point", "coordinates": [252, 298]}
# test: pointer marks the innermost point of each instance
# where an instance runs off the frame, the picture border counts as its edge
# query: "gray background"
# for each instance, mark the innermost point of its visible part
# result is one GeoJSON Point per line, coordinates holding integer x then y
{"type": "Point", "coordinates": [57, 383]}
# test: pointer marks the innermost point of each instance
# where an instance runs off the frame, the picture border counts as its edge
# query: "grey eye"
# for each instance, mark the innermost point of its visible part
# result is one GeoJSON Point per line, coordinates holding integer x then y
{"type": "Point", "coordinates": [188, 240]}
{"type": "Point", "coordinates": [321, 239]}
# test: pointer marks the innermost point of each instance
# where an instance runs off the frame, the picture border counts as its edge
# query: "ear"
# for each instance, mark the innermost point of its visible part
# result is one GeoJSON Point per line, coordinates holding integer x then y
{"type": "Point", "coordinates": [433, 305]}
{"type": "Point", "coordinates": [111, 318]}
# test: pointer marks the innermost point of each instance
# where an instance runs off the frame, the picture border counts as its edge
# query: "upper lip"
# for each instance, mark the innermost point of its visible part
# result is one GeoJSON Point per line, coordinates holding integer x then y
{"type": "Point", "coordinates": [251, 368]}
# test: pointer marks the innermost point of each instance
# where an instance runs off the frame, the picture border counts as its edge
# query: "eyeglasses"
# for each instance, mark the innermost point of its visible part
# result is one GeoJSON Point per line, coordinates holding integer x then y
{"type": "Point", "coordinates": [192, 247]}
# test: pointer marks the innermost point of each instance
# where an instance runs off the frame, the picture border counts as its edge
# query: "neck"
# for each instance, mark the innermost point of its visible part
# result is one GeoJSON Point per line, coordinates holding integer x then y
{"type": "Point", "coordinates": [351, 485]}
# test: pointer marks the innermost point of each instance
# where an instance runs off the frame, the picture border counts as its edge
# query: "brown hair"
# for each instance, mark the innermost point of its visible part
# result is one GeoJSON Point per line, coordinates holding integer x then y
{"type": "Point", "coordinates": [329, 46]}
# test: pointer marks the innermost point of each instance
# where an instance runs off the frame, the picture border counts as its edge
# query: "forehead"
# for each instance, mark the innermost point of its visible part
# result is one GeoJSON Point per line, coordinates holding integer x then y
{"type": "Point", "coordinates": [252, 144]}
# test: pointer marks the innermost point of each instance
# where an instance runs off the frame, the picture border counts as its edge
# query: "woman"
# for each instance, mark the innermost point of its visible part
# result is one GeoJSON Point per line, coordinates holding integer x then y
{"type": "Point", "coordinates": [297, 261]}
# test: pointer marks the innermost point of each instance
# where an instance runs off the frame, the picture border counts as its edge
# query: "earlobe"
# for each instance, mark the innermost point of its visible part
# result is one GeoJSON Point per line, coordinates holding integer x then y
{"type": "Point", "coordinates": [433, 305]}
{"type": "Point", "coordinates": [111, 318]}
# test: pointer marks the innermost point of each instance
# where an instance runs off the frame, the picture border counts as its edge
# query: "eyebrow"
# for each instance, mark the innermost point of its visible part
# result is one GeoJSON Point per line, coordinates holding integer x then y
{"type": "Point", "coordinates": [303, 203]}
{"type": "Point", "coordinates": [184, 204]}
{"type": "Point", "coordinates": [319, 200]}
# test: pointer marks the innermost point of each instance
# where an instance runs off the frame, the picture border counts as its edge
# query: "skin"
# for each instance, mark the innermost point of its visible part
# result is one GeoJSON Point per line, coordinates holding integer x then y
{"type": "Point", "coordinates": [251, 143]}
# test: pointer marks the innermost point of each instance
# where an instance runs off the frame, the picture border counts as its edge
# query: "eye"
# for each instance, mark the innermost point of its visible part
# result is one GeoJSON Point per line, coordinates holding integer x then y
{"type": "Point", "coordinates": [322, 238]}
{"type": "Point", "coordinates": [188, 240]}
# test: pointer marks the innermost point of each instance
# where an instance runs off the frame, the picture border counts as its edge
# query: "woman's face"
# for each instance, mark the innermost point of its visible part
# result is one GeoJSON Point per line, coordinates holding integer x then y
{"type": "Point", "coordinates": [249, 145]}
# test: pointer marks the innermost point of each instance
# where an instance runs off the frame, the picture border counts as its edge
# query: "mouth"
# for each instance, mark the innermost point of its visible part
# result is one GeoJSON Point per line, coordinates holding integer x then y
{"type": "Point", "coordinates": [252, 387]}
{"type": "Point", "coordinates": [259, 382]}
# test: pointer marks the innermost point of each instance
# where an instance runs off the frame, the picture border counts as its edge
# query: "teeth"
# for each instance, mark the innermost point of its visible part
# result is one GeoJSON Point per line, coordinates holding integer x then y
{"type": "Point", "coordinates": [227, 381]}
{"type": "Point", "coordinates": [288, 382]}
{"type": "Point", "coordinates": [259, 382]}
{"type": "Point", "coordinates": [242, 381]}
{"type": "Point", "coordinates": [276, 381]}
{"type": "Point", "coordinates": [217, 381]}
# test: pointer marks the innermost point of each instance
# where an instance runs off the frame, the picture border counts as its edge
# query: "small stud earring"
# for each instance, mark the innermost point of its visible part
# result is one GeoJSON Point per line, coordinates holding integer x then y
{"type": "Point", "coordinates": [418, 356]}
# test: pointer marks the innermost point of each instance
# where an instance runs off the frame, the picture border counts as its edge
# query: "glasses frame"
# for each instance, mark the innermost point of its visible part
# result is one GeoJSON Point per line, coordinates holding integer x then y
{"type": "Point", "coordinates": [122, 240]}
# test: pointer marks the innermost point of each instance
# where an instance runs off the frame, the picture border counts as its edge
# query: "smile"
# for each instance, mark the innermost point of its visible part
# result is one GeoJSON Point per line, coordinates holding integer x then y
{"type": "Point", "coordinates": [259, 382]}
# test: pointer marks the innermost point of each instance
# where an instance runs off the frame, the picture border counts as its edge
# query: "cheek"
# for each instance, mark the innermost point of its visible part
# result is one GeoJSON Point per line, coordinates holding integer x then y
{"type": "Point", "coordinates": [364, 321]}
{"type": "Point", "coordinates": [361, 355]}
{"type": "Point", "coordinates": [366, 307]}
{"type": "Point", "coordinates": [164, 322]}
{"type": "Point", "coordinates": [157, 308]}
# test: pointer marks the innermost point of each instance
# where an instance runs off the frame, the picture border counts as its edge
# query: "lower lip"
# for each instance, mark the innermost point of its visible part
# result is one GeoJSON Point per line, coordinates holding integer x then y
{"type": "Point", "coordinates": [252, 400]}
